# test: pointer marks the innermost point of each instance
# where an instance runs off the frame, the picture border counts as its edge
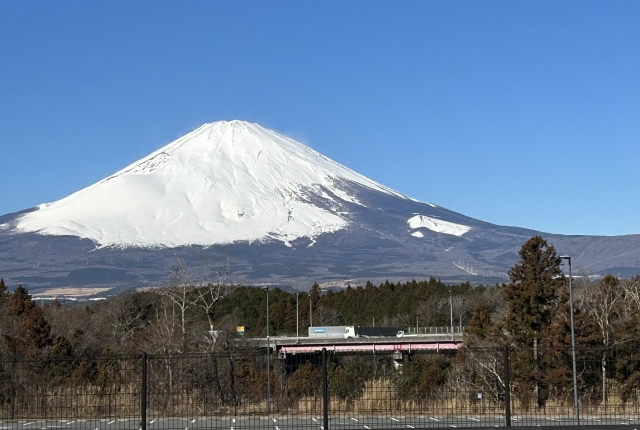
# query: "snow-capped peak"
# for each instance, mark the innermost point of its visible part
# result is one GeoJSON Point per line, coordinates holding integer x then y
{"type": "Point", "coordinates": [224, 182]}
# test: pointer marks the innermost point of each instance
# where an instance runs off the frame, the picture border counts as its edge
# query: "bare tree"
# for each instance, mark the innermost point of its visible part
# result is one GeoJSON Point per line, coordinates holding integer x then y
{"type": "Point", "coordinates": [631, 289]}
{"type": "Point", "coordinates": [176, 301]}
{"type": "Point", "coordinates": [191, 290]}
{"type": "Point", "coordinates": [211, 292]}
{"type": "Point", "coordinates": [604, 303]}
{"type": "Point", "coordinates": [123, 320]}
{"type": "Point", "coordinates": [428, 310]}
{"type": "Point", "coordinates": [327, 316]}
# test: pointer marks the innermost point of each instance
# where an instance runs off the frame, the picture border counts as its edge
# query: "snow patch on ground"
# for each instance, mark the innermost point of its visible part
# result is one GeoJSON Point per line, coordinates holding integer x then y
{"type": "Point", "coordinates": [417, 234]}
{"type": "Point", "coordinates": [224, 182]}
{"type": "Point", "coordinates": [437, 225]}
{"type": "Point", "coordinates": [4, 226]}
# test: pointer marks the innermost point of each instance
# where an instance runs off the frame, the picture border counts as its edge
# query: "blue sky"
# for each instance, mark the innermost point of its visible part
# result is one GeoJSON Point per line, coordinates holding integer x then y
{"type": "Point", "coordinates": [517, 113]}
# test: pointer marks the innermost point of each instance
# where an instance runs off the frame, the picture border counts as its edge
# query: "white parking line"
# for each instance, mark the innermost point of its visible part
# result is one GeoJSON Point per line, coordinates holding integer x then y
{"type": "Point", "coordinates": [395, 419]}
{"type": "Point", "coordinates": [354, 419]}
{"type": "Point", "coordinates": [474, 419]}
{"type": "Point", "coordinates": [367, 427]}
{"type": "Point", "coordinates": [434, 419]}
{"type": "Point", "coordinates": [111, 422]}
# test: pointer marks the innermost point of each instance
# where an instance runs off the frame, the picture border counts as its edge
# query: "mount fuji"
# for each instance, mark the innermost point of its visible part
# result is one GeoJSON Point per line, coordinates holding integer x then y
{"type": "Point", "coordinates": [277, 210]}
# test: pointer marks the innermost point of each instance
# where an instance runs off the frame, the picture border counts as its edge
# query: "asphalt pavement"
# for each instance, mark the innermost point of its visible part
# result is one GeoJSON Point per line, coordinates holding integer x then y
{"type": "Point", "coordinates": [315, 422]}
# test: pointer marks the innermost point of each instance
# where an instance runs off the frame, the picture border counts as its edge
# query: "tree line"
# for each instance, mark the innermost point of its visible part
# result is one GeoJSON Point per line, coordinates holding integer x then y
{"type": "Point", "coordinates": [529, 311]}
{"type": "Point", "coordinates": [529, 315]}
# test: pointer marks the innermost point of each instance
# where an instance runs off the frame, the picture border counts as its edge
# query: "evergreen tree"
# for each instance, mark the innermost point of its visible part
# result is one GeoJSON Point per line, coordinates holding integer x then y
{"type": "Point", "coordinates": [36, 331]}
{"type": "Point", "coordinates": [556, 356]}
{"type": "Point", "coordinates": [532, 293]}
{"type": "Point", "coordinates": [20, 302]}
{"type": "Point", "coordinates": [60, 367]}
{"type": "Point", "coordinates": [480, 324]}
{"type": "Point", "coordinates": [108, 372]}
{"type": "Point", "coordinates": [4, 293]}
{"type": "Point", "coordinates": [531, 297]}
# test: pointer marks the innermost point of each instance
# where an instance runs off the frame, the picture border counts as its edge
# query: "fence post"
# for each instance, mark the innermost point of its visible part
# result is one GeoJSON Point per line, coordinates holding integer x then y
{"type": "Point", "coordinates": [507, 391]}
{"type": "Point", "coordinates": [325, 402]}
{"type": "Point", "coordinates": [143, 393]}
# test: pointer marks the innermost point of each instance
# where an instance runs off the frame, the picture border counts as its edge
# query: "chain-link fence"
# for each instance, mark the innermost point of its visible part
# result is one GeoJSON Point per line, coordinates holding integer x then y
{"type": "Point", "coordinates": [251, 389]}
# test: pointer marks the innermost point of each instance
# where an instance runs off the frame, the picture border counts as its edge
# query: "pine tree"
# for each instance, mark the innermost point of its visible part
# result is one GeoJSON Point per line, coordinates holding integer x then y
{"type": "Point", "coordinates": [533, 292]}
{"type": "Point", "coordinates": [480, 324]}
{"type": "Point", "coordinates": [36, 331]}
{"type": "Point", "coordinates": [531, 297]}
{"type": "Point", "coordinates": [556, 358]}
{"type": "Point", "coordinates": [20, 302]}
{"type": "Point", "coordinates": [60, 367]}
{"type": "Point", "coordinates": [4, 294]}
{"type": "Point", "coordinates": [108, 372]}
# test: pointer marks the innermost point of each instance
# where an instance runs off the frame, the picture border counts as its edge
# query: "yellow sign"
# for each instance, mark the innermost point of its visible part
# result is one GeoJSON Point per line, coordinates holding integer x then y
{"type": "Point", "coordinates": [240, 330]}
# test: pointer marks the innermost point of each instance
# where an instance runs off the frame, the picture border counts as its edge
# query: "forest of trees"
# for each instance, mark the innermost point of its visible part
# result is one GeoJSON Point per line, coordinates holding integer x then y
{"type": "Point", "coordinates": [178, 318]}
{"type": "Point", "coordinates": [529, 315]}
{"type": "Point", "coordinates": [531, 310]}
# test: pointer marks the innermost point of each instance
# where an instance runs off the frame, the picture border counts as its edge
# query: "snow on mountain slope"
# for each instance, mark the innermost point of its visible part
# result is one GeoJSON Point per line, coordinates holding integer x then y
{"type": "Point", "coordinates": [437, 225]}
{"type": "Point", "coordinates": [222, 183]}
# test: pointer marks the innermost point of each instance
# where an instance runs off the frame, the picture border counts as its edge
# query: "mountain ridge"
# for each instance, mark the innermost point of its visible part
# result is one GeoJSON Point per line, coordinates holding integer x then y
{"type": "Point", "coordinates": [282, 212]}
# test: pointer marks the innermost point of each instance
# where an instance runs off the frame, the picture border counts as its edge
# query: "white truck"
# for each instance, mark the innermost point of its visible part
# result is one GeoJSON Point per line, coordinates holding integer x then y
{"type": "Point", "coordinates": [346, 332]}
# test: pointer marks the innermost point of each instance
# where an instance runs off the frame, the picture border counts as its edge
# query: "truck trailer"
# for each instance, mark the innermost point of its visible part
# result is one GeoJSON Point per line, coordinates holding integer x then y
{"type": "Point", "coordinates": [328, 331]}
{"type": "Point", "coordinates": [357, 331]}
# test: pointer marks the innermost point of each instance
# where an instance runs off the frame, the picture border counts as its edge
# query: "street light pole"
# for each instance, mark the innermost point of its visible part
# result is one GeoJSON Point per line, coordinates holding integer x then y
{"type": "Point", "coordinates": [268, 358]}
{"type": "Point", "coordinates": [297, 323]}
{"type": "Point", "coordinates": [451, 311]}
{"type": "Point", "coordinates": [310, 312]}
{"type": "Point", "coordinates": [576, 409]}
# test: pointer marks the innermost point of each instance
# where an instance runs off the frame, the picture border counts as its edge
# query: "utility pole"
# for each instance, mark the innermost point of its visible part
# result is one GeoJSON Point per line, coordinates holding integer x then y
{"type": "Point", "coordinates": [451, 311]}
{"type": "Point", "coordinates": [268, 358]}
{"type": "Point", "coordinates": [576, 407]}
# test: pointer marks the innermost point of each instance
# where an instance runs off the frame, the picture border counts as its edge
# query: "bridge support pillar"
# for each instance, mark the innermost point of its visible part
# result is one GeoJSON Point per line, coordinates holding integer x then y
{"type": "Point", "coordinates": [398, 359]}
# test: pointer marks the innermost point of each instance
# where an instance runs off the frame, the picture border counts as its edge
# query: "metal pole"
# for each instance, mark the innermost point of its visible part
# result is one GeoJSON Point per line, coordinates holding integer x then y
{"type": "Point", "coordinates": [507, 389]}
{"type": "Point", "coordinates": [143, 394]}
{"type": "Point", "coordinates": [451, 311]}
{"type": "Point", "coordinates": [310, 312]}
{"type": "Point", "coordinates": [297, 316]}
{"type": "Point", "coordinates": [325, 402]}
{"type": "Point", "coordinates": [268, 359]}
{"type": "Point", "coordinates": [576, 407]}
